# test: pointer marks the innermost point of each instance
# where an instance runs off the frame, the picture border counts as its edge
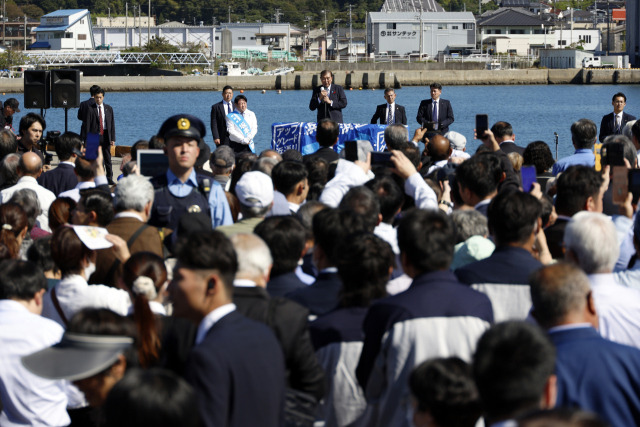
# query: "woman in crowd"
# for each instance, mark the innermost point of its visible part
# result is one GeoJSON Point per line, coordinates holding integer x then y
{"type": "Point", "coordinates": [13, 228]}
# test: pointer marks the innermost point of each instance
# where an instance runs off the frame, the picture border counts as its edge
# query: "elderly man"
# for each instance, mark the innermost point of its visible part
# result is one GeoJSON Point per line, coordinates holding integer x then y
{"type": "Point", "coordinates": [591, 243]}
{"type": "Point", "coordinates": [242, 126]}
{"type": "Point", "coordinates": [236, 366]}
{"type": "Point", "coordinates": [594, 373]}
{"type": "Point", "coordinates": [181, 189]}
{"type": "Point", "coordinates": [255, 194]}
{"type": "Point", "coordinates": [29, 169]}
{"type": "Point", "coordinates": [328, 99]}
{"type": "Point", "coordinates": [583, 136]}
{"type": "Point", "coordinates": [132, 201]}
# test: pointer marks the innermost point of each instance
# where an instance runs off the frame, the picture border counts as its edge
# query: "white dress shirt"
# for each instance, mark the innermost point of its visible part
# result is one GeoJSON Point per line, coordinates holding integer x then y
{"type": "Point", "coordinates": [211, 319]}
{"type": "Point", "coordinates": [45, 197]}
{"type": "Point", "coordinates": [26, 398]}
{"type": "Point", "coordinates": [618, 309]}
{"type": "Point", "coordinates": [74, 294]}
{"type": "Point", "coordinates": [236, 135]}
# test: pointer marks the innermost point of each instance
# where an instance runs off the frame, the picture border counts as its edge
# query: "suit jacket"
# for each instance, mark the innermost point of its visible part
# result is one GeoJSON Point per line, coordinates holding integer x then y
{"type": "Point", "coordinates": [400, 117]}
{"type": "Point", "coordinates": [511, 147]}
{"type": "Point", "coordinates": [597, 375]}
{"type": "Point", "coordinates": [84, 107]}
{"type": "Point", "coordinates": [608, 125]}
{"type": "Point", "coordinates": [320, 297]}
{"type": "Point", "coordinates": [91, 123]}
{"type": "Point", "coordinates": [555, 235]}
{"type": "Point", "coordinates": [238, 374]}
{"type": "Point", "coordinates": [326, 111]}
{"type": "Point", "coordinates": [281, 285]}
{"type": "Point", "coordinates": [445, 114]}
{"type": "Point", "coordinates": [288, 321]}
{"type": "Point", "coordinates": [125, 227]}
{"type": "Point", "coordinates": [219, 123]}
{"type": "Point", "coordinates": [327, 153]}
{"type": "Point", "coordinates": [60, 179]}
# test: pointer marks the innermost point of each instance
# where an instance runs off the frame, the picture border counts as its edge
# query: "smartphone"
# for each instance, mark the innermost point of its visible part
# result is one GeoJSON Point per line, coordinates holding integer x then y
{"type": "Point", "coordinates": [634, 184]}
{"type": "Point", "coordinates": [152, 162]}
{"type": "Point", "coordinates": [382, 159]}
{"type": "Point", "coordinates": [482, 125]}
{"type": "Point", "coordinates": [429, 126]}
{"type": "Point", "coordinates": [528, 176]}
{"type": "Point", "coordinates": [613, 154]}
{"type": "Point", "coordinates": [619, 185]}
{"type": "Point", "coordinates": [351, 150]}
{"type": "Point", "coordinates": [92, 147]}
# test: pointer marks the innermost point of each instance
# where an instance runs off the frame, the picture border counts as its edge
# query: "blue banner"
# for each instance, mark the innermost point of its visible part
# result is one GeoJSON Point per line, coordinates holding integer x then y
{"type": "Point", "coordinates": [301, 136]}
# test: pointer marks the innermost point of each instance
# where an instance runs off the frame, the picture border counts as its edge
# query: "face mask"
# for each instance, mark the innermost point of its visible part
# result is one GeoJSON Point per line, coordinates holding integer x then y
{"type": "Point", "coordinates": [89, 270]}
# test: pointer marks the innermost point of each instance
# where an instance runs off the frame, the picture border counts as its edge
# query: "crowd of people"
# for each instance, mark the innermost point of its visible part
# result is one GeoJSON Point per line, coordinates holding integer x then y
{"type": "Point", "coordinates": [275, 289]}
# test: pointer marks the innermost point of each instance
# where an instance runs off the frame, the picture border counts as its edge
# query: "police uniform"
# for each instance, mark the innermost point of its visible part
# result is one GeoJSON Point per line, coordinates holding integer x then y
{"type": "Point", "coordinates": [173, 198]}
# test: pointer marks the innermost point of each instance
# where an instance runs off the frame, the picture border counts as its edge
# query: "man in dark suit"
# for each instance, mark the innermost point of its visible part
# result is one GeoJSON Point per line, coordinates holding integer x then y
{"type": "Point", "coordinates": [594, 373]}
{"type": "Point", "coordinates": [389, 113]}
{"type": "Point", "coordinates": [236, 366]}
{"type": "Point", "coordinates": [87, 105]}
{"type": "Point", "coordinates": [436, 110]}
{"type": "Point", "coordinates": [327, 134]}
{"type": "Point", "coordinates": [613, 123]}
{"type": "Point", "coordinates": [219, 113]}
{"type": "Point", "coordinates": [99, 119]}
{"type": "Point", "coordinates": [63, 177]}
{"type": "Point", "coordinates": [329, 99]}
{"type": "Point", "coordinates": [503, 133]}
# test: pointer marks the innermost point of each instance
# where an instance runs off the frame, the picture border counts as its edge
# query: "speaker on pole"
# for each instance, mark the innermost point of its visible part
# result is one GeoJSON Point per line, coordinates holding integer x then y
{"type": "Point", "coordinates": [65, 88]}
{"type": "Point", "coordinates": [37, 89]}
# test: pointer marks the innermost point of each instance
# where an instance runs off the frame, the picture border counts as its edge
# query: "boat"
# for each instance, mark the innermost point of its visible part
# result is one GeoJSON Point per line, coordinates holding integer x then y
{"type": "Point", "coordinates": [279, 71]}
{"type": "Point", "coordinates": [231, 69]}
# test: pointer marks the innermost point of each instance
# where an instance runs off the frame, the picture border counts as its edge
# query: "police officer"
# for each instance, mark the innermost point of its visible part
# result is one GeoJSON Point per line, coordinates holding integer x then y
{"type": "Point", "coordinates": [181, 189]}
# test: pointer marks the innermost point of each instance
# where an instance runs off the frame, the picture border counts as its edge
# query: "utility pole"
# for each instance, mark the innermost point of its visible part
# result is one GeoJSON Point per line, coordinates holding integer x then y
{"type": "Point", "coordinates": [126, 23]}
{"type": "Point", "coordinates": [337, 40]}
{"type": "Point", "coordinates": [229, 15]}
{"type": "Point", "coordinates": [422, 35]}
{"type": "Point", "coordinates": [308, 21]}
{"type": "Point", "coordinates": [149, 23]}
{"type": "Point", "coordinates": [4, 20]}
{"type": "Point", "coordinates": [608, 27]}
{"type": "Point", "coordinates": [326, 41]}
{"type": "Point", "coordinates": [350, 31]}
{"type": "Point", "coordinates": [139, 25]}
{"type": "Point", "coordinates": [278, 14]}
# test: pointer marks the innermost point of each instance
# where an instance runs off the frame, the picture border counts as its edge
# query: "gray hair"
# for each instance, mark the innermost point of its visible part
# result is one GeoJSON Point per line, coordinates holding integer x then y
{"type": "Point", "coordinates": [556, 291]}
{"type": "Point", "coordinates": [630, 152]}
{"type": "Point", "coordinates": [133, 192]}
{"type": "Point", "coordinates": [254, 257]}
{"type": "Point", "coordinates": [265, 165]}
{"type": "Point", "coordinates": [626, 130]}
{"type": "Point", "coordinates": [592, 238]}
{"type": "Point", "coordinates": [9, 169]}
{"type": "Point", "coordinates": [27, 199]}
{"type": "Point", "coordinates": [584, 133]}
{"type": "Point", "coordinates": [396, 136]}
{"type": "Point", "coordinates": [469, 223]}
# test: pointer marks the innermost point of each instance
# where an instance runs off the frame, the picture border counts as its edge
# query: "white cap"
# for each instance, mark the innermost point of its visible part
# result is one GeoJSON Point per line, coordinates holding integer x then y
{"type": "Point", "coordinates": [457, 140]}
{"type": "Point", "coordinates": [255, 189]}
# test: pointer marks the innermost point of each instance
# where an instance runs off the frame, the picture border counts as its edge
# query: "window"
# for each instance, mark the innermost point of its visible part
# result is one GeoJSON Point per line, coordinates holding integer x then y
{"type": "Point", "coordinates": [497, 31]}
{"type": "Point", "coordinates": [468, 26]}
{"type": "Point", "coordinates": [516, 31]}
{"type": "Point", "coordinates": [586, 39]}
{"type": "Point", "coordinates": [82, 36]}
{"type": "Point", "coordinates": [242, 38]}
{"type": "Point", "coordinates": [442, 26]}
{"type": "Point", "coordinates": [538, 31]}
{"type": "Point", "coordinates": [252, 38]}
{"type": "Point", "coordinates": [562, 42]}
{"type": "Point", "coordinates": [217, 38]}
{"type": "Point", "coordinates": [454, 27]}
{"type": "Point", "coordinates": [391, 26]}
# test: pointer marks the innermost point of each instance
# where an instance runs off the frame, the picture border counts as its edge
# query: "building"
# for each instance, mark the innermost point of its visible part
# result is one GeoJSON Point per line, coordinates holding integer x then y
{"type": "Point", "coordinates": [65, 30]}
{"type": "Point", "coordinates": [404, 33]}
{"type": "Point", "coordinates": [563, 58]}
{"type": "Point", "coordinates": [514, 31]}
{"type": "Point", "coordinates": [253, 36]}
{"type": "Point", "coordinates": [14, 35]}
{"type": "Point", "coordinates": [411, 6]}
{"type": "Point", "coordinates": [633, 33]}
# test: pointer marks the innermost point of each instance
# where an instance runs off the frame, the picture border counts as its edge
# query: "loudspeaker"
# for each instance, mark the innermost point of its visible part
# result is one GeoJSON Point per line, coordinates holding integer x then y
{"type": "Point", "coordinates": [65, 88]}
{"type": "Point", "coordinates": [37, 89]}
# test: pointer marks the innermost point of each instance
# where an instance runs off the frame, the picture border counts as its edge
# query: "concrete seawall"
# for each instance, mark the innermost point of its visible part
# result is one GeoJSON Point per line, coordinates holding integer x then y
{"type": "Point", "coordinates": [353, 79]}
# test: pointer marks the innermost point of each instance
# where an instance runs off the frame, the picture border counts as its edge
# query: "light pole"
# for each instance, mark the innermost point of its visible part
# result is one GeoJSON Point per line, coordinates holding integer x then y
{"type": "Point", "coordinates": [326, 40]}
{"type": "Point", "coordinates": [337, 40]}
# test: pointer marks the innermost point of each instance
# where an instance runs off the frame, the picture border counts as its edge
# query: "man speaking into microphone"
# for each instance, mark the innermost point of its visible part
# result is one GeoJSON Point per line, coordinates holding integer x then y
{"type": "Point", "coordinates": [329, 99]}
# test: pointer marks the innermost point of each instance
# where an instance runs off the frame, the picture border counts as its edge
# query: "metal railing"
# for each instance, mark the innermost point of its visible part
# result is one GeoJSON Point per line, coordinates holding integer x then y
{"type": "Point", "coordinates": [48, 58]}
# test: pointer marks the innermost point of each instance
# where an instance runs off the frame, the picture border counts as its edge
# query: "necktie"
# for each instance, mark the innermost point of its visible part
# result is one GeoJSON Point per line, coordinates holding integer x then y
{"type": "Point", "coordinates": [390, 115]}
{"type": "Point", "coordinates": [228, 108]}
{"type": "Point", "coordinates": [434, 116]}
{"type": "Point", "coordinates": [101, 124]}
{"type": "Point", "coordinates": [617, 123]}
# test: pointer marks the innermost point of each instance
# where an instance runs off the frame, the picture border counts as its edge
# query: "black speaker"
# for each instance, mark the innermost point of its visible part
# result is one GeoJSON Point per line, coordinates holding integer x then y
{"type": "Point", "coordinates": [37, 89]}
{"type": "Point", "coordinates": [65, 88]}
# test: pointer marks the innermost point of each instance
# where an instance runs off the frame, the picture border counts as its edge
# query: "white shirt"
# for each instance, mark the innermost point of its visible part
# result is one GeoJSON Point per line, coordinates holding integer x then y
{"type": "Point", "coordinates": [389, 234]}
{"type": "Point", "coordinates": [74, 294]}
{"type": "Point", "coordinates": [128, 215]}
{"type": "Point", "coordinates": [211, 319]}
{"type": "Point", "coordinates": [437, 165]}
{"type": "Point", "coordinates": [236, 135]}
{"type": "Point", "coordinates": [460, 153]}
{"type": "Point", "coordinates": [618, 309]}
{"type": "Point", "coordinates": [26, 398]}
{"type": "Point", "coordinates": [328, 88]}
{"type": "Point", "coordinates": [74, 193]}
{"type": "Point", "coordinates": [45, 197]}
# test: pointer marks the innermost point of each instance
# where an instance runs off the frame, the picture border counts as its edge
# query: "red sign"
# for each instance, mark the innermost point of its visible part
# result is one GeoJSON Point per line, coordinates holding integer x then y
{"type": "Point", "coordinates": [619, 14]}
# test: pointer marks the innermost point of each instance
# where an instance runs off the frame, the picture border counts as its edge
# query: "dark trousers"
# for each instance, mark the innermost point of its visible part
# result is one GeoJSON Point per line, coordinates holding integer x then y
{"type": "Point", "coordinates": [239, 148]}
{"type": "Point", "coordinates": [105, 145]}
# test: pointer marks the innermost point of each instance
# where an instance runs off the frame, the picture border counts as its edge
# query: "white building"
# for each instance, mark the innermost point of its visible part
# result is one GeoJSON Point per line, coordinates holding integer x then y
{"type": "Point", "coordinates": [402, 33]}
{"type": "Point", "coordinates": [65, 30]}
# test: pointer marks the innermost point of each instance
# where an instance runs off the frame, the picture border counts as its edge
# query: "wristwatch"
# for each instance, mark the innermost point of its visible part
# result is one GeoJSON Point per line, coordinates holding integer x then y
{"type": "Point", "coordinates": [448, 204]}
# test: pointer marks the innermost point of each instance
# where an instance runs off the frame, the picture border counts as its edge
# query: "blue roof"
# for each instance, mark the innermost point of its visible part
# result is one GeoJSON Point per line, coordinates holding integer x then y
{"type": "Point", "coordinates": [51, 28]}
{"type": "Point", "coordinates": [64, 12]}
{"type": "Point", "coordinates": [40, 45]}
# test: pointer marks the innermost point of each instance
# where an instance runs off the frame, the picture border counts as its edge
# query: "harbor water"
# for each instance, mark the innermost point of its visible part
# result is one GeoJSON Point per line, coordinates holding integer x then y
{"type": "Point", "coordinates": [535, 111]}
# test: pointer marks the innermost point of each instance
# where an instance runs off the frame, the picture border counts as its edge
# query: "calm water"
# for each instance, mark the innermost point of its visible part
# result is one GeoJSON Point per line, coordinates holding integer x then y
{"type": "Point", "coordinates": [535, 112]}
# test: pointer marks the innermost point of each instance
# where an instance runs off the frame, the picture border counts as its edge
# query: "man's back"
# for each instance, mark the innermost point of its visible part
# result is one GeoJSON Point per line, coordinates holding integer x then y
{"type": "Point", "coordinates": [598, 375]}
{"type": "Point", "coordinates": [60, 179]}
{"type": "Point", "coordinates": [436, 317]}
{"type": "Point", "coordinates": [238, 374]}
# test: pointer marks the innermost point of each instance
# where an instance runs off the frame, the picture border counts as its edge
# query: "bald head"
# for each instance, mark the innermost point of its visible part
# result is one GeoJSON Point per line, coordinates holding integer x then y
{"type": "Point", "coordinates": [30, 164]}
{"type": "Point", "coordinates": [272, 154]}
{"type": "Point", "coordinates": [439, 148]}
{"type": "Point", "coordinates": [560, 294]}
